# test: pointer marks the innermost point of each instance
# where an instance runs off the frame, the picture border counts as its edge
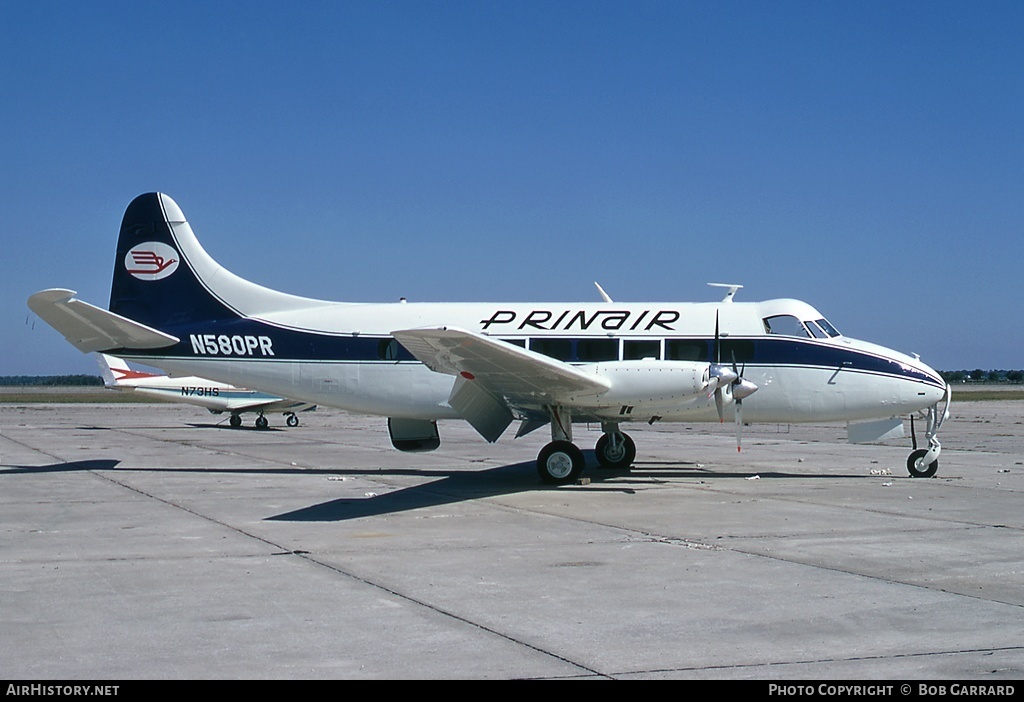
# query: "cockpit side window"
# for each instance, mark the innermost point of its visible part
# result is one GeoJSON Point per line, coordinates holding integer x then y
{"type": "Point", "coordinates": [785, 325]}
{"type": "Point", "coordinates": [828, 328]}
{"type": "Point", "coordinates": [816, 331]}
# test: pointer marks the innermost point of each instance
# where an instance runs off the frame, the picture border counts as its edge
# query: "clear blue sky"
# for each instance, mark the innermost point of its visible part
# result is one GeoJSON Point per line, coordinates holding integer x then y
{"type": "Point", "coordinates": [866, 157]}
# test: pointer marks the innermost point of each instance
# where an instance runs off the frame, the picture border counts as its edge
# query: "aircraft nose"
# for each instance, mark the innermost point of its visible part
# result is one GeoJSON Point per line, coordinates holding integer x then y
{"type": "Point", "coordinates": [934, 388]}
{"type": "Point", "coordinates": [932, 374]}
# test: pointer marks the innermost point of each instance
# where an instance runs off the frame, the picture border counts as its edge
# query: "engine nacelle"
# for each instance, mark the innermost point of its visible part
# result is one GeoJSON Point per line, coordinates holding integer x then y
{"type": "Point", "coordinates": [650, 381]}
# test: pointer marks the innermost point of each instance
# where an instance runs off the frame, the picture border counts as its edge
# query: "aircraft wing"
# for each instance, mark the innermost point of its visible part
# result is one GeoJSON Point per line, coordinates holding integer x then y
{"type": "Point", "coordinates": [505, 370]}
{"type": "Point", "coordinates": [90, 328]}
{"type": "Point", "coordinates": [276, 405]}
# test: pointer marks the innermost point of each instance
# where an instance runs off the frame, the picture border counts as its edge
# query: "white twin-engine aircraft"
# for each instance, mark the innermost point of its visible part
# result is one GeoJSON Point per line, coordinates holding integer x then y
{"type": "Point", "coordinates": [172, 306]}
{"type": "Point", "coordinates": [215, 397]}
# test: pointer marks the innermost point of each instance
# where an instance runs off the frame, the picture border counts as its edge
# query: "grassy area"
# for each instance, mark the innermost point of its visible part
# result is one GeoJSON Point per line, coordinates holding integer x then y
{"type": "Point", "coordinates": [986, 394]}
{"type": "Point", "coordinates": [34, 395]}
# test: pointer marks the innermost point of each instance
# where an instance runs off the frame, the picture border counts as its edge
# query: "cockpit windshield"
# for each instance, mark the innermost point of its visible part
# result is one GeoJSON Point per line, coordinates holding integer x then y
{"type": "Point", "coordinates": [788, 325]}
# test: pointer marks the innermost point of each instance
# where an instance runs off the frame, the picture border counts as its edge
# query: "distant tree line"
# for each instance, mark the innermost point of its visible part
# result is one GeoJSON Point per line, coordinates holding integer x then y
{"type": "Point", "coordinates": [50, 380]}
{"type": "Point", "coordinates": [983, 376]}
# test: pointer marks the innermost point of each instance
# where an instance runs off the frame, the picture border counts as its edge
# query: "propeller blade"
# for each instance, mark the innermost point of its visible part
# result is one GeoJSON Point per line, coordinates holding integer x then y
{"type": "Point", "coordinates": [718, 348]}
{"type": "Point", "coordinates": [741, 388]}
{"type": "Point", "coordinates": [739, 424]}
{"type": "Point", "coordinates": [718, 404]}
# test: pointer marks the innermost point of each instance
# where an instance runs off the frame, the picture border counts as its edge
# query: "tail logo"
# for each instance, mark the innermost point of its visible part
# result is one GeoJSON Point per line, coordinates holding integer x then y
{"type": "Point", "coordinates": [151, 260]}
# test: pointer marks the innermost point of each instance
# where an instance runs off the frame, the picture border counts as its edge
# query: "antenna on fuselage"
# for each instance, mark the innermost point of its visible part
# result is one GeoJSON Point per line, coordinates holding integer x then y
{"type": "Point", "coordinates": [732, 290]}
{"type": "Point", "coordinates": [604, 295]}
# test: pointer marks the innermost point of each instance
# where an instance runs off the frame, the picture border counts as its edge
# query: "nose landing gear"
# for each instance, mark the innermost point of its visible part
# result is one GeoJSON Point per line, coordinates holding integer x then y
{"type": "Point", "coordinates": [924, 463]}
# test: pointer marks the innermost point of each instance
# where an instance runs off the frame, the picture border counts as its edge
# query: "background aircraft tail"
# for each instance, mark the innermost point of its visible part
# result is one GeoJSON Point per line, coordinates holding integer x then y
{"type": "Point", "coordinates": [116, 373]}
{"type": "Point", "coordinates": [107, 365]}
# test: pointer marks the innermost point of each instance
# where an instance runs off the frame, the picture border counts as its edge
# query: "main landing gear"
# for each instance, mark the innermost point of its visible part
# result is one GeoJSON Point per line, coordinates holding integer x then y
{"type": "Point", "coordinates": [262, 422]}
{"type": "Point", "coordinates": [561, 461]}
{"type": "Point", "coordinates": [923, 463]}
{"type": "Point", "coordinates": [615, 449]}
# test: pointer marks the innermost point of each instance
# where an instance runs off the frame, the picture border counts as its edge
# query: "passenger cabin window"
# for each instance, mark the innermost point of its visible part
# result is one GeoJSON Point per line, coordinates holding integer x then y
{"type": "Point", "coordinates": [597, 350]}
{"type": "Point", "coordinates": [686, 350]}
{"type": "Point", "coordinates": [737, 351]}
{"type": "Point", "coordinates": [387, 349]}
{"type": "Point", "coordinates": [637, 350]}
{"type": "Point", "coordinates": [588, 350]}
{"type": "Point", "coordinates": [560, 349]}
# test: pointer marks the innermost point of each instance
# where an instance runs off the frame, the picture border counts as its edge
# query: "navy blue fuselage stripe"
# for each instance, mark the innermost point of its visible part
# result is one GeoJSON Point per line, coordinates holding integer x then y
{"type": "Point", "coordinates": [246, 338]}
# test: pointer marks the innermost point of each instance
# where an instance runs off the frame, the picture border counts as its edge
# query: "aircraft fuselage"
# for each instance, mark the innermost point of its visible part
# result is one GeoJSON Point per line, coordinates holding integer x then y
{"type": "Point", "coordinates": [344, 356]}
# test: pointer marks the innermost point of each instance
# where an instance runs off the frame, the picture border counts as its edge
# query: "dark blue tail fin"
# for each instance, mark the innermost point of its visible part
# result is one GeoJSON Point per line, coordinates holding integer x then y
{"type": "Point", "coordinates": [155, 269]}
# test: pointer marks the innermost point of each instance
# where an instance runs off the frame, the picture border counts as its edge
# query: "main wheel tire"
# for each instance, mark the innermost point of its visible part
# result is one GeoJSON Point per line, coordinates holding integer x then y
{"type": "Point", "coordinates": [293, 420]}
{"type": "Point", "coordinates": [560, 462]}
{"type": "Point", "coordinates": [235, 421]}
{"type": "Point", "coordinates": [926, 472]}
{"type": "Point", "coordinates": [619, 456]}
{"type": "Point", "coordinates": [261, 422]}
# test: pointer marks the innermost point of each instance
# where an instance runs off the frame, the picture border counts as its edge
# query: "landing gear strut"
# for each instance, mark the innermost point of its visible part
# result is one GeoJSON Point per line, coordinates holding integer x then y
{"type": "Point", "coordinates": [560, 462]}
{"type": "Point", "coordinates": [923, 463]}
{"type": "Point", "coordinates": [615, 449]}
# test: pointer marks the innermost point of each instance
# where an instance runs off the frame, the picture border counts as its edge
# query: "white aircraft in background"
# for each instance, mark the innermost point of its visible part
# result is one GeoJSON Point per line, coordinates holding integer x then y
{"type": "Point", "coordinates": [173, 307]}
{"type": "Point", "coordinates": [214, 396]}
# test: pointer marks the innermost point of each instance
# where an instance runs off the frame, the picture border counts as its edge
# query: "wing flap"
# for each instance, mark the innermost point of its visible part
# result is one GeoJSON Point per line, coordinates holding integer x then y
{"type": "Point", "coordinates": [89, 328]}
{"type": "Point", "coordinates": [485, 413]}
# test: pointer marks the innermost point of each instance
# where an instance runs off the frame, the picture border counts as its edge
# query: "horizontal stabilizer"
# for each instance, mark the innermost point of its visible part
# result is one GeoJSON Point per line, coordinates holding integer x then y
{"type": "Point", "coordinates": [89, 328]}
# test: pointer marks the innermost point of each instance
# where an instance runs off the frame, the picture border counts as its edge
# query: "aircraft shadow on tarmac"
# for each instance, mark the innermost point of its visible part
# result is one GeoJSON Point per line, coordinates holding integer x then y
{"type": "Point", "coordinates": [464, 486]}
{"type": "Point", "coordinates": [227, 427]}
{"type": "Point", "coordinates": [69, 467]}
{"type": "Point", "coordinates": [450, 487]}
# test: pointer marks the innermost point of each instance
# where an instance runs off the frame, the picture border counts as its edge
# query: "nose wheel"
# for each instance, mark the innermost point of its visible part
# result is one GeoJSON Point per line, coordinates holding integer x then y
{"type": "Point", "coordinates": [917, 467]}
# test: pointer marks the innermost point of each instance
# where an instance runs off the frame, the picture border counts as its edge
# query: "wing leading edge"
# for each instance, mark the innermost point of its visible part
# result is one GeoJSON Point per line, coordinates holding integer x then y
{"type": "Point", "coordinates": [505, 370]}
